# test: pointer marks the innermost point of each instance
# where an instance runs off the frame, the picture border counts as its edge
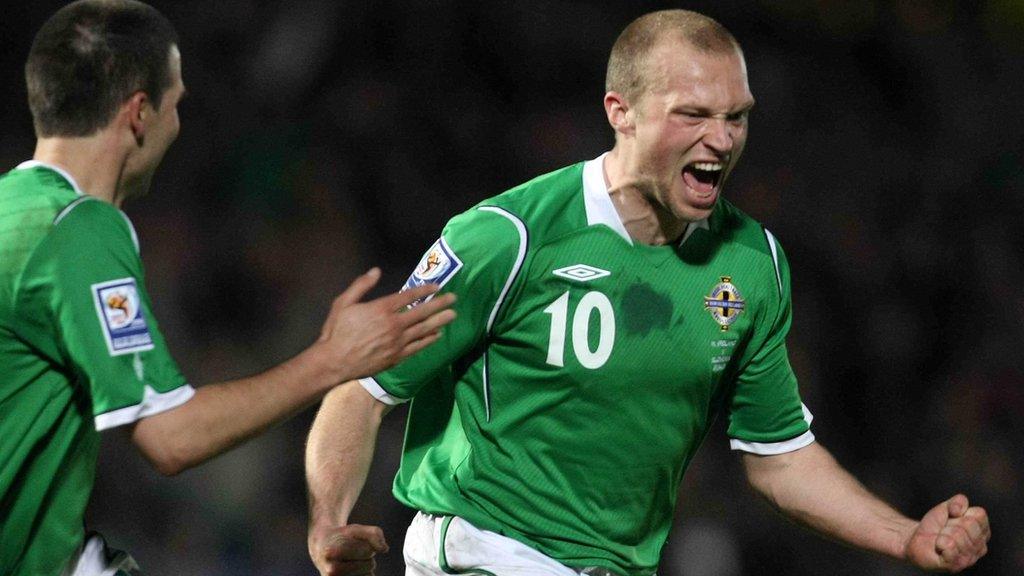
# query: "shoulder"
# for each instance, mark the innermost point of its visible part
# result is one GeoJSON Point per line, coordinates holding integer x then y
{"type": "Point", "coordinates": [496, 234]}
{"type": "Point", "coordinates": [89, 226]}
{"type": "Point", "coordinates": [752, 242]}
{"type": "Point", "coordinates": [732, 225]}
{"type": "Point", "coordinates": [548, 205]}
{"type": "Point", "coordinates": [30, 198]}
{"type": "Point", "coordinates": [87, 214]}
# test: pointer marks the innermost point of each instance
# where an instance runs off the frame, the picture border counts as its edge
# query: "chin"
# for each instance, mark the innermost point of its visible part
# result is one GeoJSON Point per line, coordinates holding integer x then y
{"type": "Point", "coordinates": [694, 214]}
{"type": "Point", "coordinates": [692, 210]}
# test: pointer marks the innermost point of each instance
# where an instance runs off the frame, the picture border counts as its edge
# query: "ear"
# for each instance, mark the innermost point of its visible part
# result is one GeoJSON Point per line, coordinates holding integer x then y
{"type": "Point", "coordinates": [139, 109]}
{"type": "Point", "coordinates": [620, 114]}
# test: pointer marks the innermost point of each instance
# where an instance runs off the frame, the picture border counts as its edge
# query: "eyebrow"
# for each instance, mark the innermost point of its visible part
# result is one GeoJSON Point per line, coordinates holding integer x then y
{"type": "Point", "coordinates": [746, 107]}
{"type": "Point", "coordinates": [702, 111]}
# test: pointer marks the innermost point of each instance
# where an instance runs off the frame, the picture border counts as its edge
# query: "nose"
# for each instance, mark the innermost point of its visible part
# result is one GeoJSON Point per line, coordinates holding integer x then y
{"type": "Point", "coordinates": [718, 135]}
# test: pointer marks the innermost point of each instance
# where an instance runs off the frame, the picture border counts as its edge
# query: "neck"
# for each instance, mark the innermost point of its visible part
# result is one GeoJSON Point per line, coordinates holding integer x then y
{"type": "Point", "coordinates": [646, 220]}
{"type": "Point", "coordinates": [91, 161]}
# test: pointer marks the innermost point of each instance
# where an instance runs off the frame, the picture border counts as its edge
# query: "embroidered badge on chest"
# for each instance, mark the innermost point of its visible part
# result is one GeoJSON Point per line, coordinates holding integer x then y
{"type": "Point", "coordinates": [725, 303]}
{"type": "Point", "coordinates": [437, 266]}
{"type": "Point", "coordinates": [122, 320]}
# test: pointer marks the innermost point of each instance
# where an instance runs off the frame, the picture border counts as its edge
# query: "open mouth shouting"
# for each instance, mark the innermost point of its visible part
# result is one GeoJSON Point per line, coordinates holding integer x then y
{"type": "Point", "coordinates": [703, 178]}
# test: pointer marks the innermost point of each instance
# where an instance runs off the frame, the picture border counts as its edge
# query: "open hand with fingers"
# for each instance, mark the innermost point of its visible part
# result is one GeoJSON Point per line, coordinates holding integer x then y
{"type": "Point", "coordinates": [951, 537]}
{"type": "Point", "coordinates": [363, 338]}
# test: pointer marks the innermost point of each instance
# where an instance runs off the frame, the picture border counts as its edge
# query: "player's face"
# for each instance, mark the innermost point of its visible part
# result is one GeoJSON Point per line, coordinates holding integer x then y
{"type": "Point", "coordinates": [690, 127]}
{"type": "Point", "coordinates": [161, 129]}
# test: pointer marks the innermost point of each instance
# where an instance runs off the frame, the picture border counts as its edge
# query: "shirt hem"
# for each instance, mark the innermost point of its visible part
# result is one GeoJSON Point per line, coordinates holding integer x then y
{"type": "Point", "coordinates": [773, 448]}
{"type": "Point", "coordinates": [152, 403]}
{"type": "Point", "coordinates": [378, 392]}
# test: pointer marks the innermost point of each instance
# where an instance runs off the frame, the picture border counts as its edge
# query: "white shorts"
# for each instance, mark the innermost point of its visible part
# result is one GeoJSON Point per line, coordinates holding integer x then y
{"type": "Point", "coordinates": [441, 545]}
{"type": "Point", "coordinates": [95, 558]}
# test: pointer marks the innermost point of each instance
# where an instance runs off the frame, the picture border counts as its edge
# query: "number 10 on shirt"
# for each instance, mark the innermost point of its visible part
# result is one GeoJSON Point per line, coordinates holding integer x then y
{"type": "Point", "coordinates": [559, 311]}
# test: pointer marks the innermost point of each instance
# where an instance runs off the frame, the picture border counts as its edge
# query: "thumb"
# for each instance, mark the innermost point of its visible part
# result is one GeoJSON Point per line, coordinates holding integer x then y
{"type": "Point", "coordinates": [935, 519]}
{"type": "Point", "coordinates": [359, 287]}
{"type": "Point", "coordinates": [372, 535]}
{"type": "Point", "coordinates": [957, 506]}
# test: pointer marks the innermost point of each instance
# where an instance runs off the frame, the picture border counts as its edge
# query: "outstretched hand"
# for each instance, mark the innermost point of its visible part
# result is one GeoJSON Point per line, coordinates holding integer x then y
{"type": "Point", "coordinates": [346, 551]}
{"type": "Point", "coordinates": [951, 537]}
{"type": "Point", "coordinates": [368, 337]}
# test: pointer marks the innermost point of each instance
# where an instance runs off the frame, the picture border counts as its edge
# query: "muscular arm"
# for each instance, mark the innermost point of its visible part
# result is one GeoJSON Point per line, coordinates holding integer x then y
{"type": "Point", "coordinates": [809, 486]}
{"type": "Point", "coordinates": [358, 338]}
{"type": "Point", "coordinates": [338, 457]}
{"type": "Point", "coordinates": [221, 416]}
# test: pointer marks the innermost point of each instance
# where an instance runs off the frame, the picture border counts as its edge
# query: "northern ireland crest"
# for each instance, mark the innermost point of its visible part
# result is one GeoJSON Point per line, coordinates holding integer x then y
{"type": "Point", "coordinates": [724, 303]}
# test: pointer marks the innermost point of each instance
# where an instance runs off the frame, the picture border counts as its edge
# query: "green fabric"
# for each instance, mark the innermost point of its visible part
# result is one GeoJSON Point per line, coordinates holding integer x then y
{"type": "Point", "coordinates": [582, 461]}
{"type": "Point", "coordinates": [57, 370]}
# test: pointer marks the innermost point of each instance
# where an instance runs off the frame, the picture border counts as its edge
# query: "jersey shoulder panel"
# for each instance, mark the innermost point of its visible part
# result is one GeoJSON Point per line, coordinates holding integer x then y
{"type": "Point", "coordinates": [30, 200]}
{"type": "Point", "coordinates": [94, 217]}
{"type": "Point", "coordinates": [37, 181]}
{"type": "Point", "coordinates": [730, 224]}
{"type": "Point", "coordinates": [549, 205]}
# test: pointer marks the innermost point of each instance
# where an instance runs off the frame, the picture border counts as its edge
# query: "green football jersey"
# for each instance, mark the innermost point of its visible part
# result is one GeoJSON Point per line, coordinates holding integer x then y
{"type": "Point", "coordinates": [79, 352]}
{"type": "Point", "coordinates": [563, 405]}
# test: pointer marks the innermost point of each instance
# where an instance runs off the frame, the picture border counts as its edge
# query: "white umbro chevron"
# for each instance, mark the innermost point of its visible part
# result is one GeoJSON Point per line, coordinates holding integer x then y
{"type": "Point", "coordinates": [581, 272]}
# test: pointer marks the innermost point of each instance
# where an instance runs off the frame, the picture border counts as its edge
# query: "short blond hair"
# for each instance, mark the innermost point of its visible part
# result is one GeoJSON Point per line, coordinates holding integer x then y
{"type": "Point", "coordinates": [627, 63]}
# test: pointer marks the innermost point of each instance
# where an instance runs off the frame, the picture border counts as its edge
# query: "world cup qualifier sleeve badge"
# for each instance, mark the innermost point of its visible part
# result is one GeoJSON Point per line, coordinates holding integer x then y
{"type": "Point", "coordinates": [437, 266]}
{"type": "Point", "coordinates": [724, 303]}
{"type": "Point", "coordinates": [121, 316]}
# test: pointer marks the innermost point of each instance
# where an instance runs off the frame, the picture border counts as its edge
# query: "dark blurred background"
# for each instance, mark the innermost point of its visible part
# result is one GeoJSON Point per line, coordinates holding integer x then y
{"type": "Point", "coordinates": [321, 138]}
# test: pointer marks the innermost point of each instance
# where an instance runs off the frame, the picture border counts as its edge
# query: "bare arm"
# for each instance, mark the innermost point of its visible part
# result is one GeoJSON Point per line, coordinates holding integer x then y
{"type": "Point", "coordinates": [338, 456]}
{"type": "Point", "coordinates": [357, 339]}
{"type": "Point", "coordinates": [809, 486]}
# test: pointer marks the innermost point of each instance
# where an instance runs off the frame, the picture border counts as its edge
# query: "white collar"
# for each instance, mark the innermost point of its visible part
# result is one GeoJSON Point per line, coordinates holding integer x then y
{"type": "Point", "coordinates": [600, 209]}
{"type": "Point", "coordinates": [36, 163]}
{"type": "Point", "coordinates": [598, 203]}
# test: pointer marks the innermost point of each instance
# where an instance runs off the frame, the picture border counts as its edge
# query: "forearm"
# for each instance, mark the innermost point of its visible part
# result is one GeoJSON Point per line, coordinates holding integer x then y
{"type": "Point", "coordinates": [812, 488]}
{"type": "Point", "coordinates": [221, 416]}
{"type": "Point", "coordinates": [339, 452]}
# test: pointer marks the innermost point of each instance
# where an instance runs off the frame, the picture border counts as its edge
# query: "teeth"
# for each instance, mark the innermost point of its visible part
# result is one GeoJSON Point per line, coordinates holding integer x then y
{"type": "Point", "coordinates": [707, 166]}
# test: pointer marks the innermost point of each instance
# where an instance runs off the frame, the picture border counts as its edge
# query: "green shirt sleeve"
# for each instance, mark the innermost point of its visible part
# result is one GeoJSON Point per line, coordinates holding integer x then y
{"type": "Point", "coordinates": [477, 257]}
{"type": "Point", "coordinates": [766, 415]}
{"type": "Point", "coordinates": [88, 279]}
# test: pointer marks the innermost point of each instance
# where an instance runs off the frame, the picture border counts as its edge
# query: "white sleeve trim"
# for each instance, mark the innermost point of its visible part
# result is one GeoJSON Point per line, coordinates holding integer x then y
{"type": "Point", "coordinates": [775, 256]}
{"type": "Point", "coordinates": [153, 402]}
{"type": "Point", "coordinates": [773, 448]}
{"type": "Point", "coordinates": [375, 390]}
{"type": "Point", "coordinates": [523, 241]}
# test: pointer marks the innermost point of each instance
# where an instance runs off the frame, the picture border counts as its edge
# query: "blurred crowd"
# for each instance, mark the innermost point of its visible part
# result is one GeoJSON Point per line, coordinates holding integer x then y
{"type": "Point", "coordinates": [321, 138]}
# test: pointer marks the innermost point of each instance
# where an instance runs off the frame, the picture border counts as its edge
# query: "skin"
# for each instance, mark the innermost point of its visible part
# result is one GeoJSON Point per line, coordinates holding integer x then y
{"type": "Point", "coordinates": [118, 161]}
{"type": "Point", "coordinates": [695, 109]}
{"type": "Point", "coordinates": [155, 127]}
{"type": "Point", "coordinates": [358, 338]}
{"type": "Point", "coordinates": [810, 487]}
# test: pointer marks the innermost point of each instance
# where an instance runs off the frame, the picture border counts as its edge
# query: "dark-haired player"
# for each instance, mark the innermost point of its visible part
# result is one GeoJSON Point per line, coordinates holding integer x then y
{"type": "Point", "coordinates": [80, 350]}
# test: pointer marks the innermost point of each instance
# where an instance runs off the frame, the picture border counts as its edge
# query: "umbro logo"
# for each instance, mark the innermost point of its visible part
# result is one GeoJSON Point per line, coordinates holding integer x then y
{"type": "Point", "coordinates": [581, 272]}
